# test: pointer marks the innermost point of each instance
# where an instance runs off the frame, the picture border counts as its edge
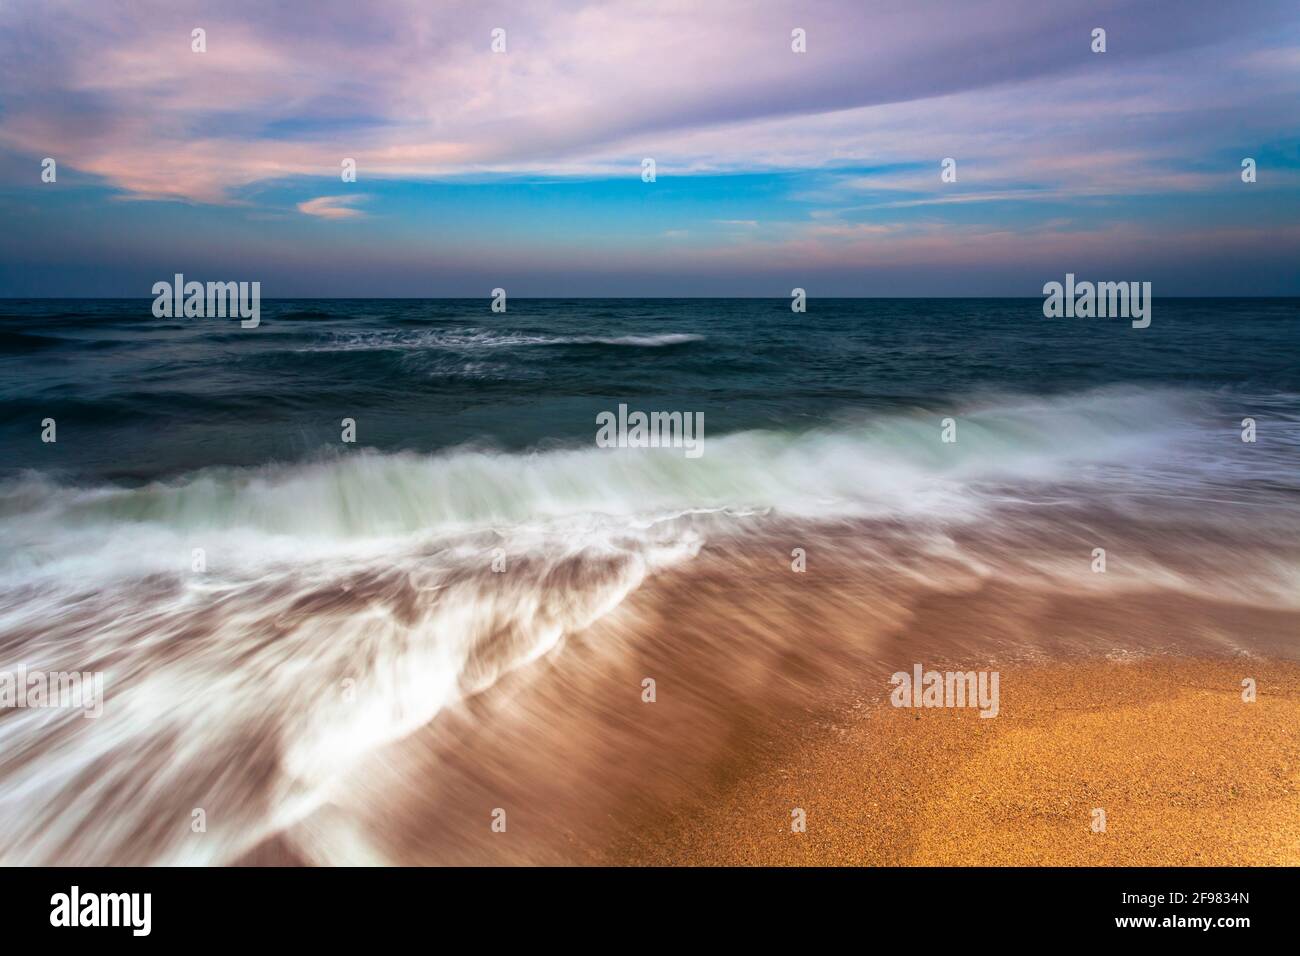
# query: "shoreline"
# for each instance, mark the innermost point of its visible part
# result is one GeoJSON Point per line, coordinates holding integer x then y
{"type": "Point", "coordinates": [773, 693]}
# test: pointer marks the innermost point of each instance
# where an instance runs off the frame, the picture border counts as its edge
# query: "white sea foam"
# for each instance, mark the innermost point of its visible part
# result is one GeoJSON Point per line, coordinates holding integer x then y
{"type": "Point", "coordinates": [871, 467]}
{"type": "Point", "coordinates": [478, 339]}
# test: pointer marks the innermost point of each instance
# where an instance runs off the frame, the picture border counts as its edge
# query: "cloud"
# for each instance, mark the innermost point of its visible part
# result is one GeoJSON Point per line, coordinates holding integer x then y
{"type": "Point", "coordinates": [332, 207]}
{"type": "Point", "coordinates": [413, 90]}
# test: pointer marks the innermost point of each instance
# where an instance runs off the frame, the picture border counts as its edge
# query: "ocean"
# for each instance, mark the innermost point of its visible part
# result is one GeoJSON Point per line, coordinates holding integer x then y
{"type": "Point", "coordinates": [140, 398]}
{"type": "Point", "coordinates": [274, 609]}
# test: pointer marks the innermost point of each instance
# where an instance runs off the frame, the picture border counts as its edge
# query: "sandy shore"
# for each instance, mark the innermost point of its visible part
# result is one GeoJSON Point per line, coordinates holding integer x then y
{"type": "Point", "coordinates": [772, 694]}
{"type": "Point", "coordinates": [1185, 770]}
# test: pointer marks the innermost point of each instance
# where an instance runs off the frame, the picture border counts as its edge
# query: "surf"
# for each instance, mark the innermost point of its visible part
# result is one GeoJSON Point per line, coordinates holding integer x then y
{"type": "Point", "coordinates": [347, 600]}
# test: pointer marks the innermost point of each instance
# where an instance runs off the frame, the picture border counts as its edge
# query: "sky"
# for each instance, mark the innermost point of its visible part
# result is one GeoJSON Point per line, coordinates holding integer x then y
{"type": "Point", "coordinates": [774, 169]}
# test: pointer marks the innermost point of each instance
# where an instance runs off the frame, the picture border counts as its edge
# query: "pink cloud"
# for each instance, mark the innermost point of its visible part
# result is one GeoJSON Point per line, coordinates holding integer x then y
{"type": "Point", "coordinates": [332, 207]}
{"type": "Point", "coordinates": [116, 91]}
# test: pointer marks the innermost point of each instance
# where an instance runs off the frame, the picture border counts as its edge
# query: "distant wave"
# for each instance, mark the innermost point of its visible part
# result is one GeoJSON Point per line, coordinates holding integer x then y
{"type": "Point", "coordinates": [472, 339]}
{"type": "Point", "coordinates": [647, 341]}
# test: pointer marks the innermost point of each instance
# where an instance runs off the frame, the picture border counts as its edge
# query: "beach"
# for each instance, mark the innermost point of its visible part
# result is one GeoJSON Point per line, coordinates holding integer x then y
{"type": "Point", "coordinates": [1186, 772]}
{"type": "Point", "coordinates": [1131, 703]}
{"type": "Point", "coordinates": [477, 634]}
{"type": "Point", "coordinates": [650, 436]}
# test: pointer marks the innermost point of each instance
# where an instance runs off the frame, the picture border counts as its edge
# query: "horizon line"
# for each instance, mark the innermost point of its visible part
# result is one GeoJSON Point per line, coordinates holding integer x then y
{"type": "Point", "coordinates": [598, 298]}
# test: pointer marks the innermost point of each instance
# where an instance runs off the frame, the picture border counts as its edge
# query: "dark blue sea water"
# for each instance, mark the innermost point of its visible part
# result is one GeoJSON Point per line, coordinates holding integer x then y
{"type": "Point", "coordinates": [136, 397]}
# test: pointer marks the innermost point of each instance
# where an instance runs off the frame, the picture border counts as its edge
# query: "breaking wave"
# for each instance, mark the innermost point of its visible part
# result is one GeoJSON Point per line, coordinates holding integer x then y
{"type": "Point", "coordinates": [288, 619]}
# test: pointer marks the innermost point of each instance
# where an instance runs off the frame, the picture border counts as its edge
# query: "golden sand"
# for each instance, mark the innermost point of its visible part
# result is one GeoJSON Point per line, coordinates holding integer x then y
{"type": "Point", "coordinates": [1186, 771]}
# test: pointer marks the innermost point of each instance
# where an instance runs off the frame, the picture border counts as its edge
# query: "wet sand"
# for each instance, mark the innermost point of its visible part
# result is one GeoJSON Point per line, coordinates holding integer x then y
{"type": "Point", "coordinates": [772, 694]}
